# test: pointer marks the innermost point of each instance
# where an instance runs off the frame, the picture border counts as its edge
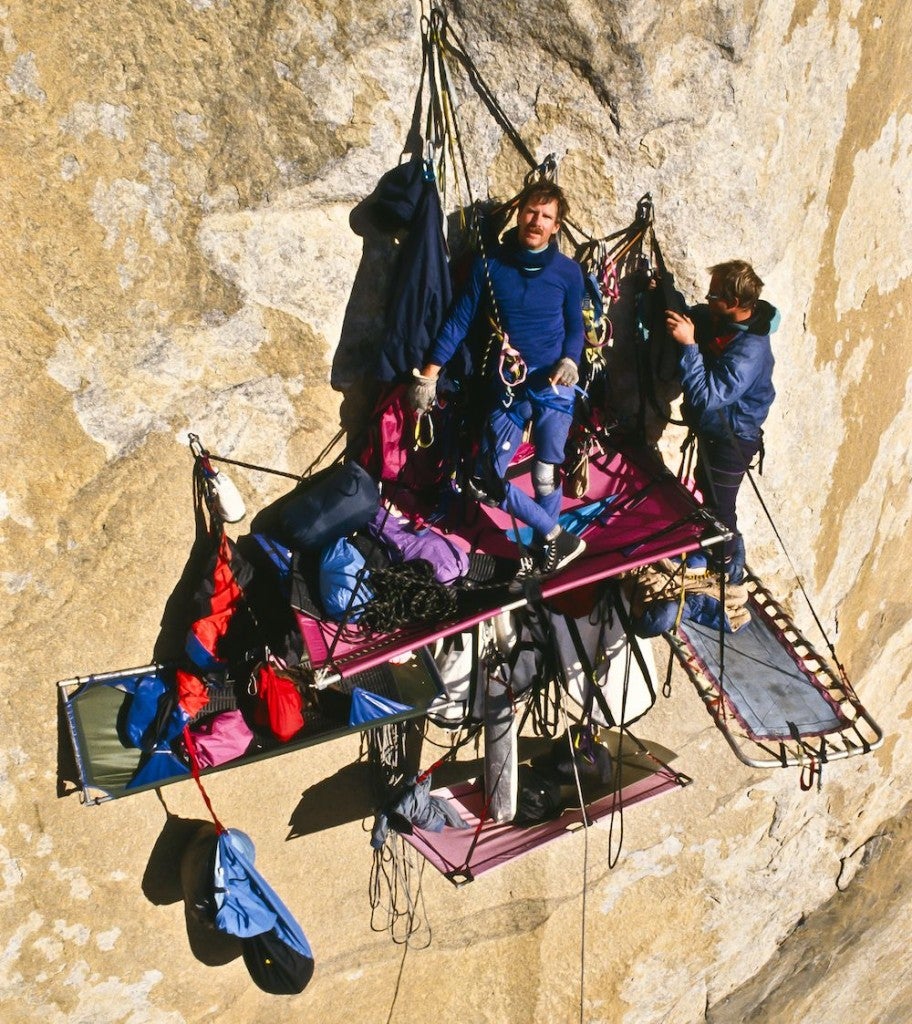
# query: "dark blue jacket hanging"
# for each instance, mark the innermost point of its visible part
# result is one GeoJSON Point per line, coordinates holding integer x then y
{"type": "Point", "coordinates": [406, 197]}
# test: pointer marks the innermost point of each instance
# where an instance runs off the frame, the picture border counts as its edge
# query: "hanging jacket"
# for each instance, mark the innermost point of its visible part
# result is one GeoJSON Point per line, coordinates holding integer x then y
{"type": "Point", "coordinates": [414, 806]}
{"type": "Point", "coordinates": [407, 197]}
{"type": "Point", "coordinates": [727, 377]}
{"type": "Point", "coordinates": [220, 594]}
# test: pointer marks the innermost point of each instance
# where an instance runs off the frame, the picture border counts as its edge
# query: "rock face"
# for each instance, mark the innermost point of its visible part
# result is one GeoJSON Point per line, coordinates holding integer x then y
{"type": "Point", "coordinates": [177, 182]}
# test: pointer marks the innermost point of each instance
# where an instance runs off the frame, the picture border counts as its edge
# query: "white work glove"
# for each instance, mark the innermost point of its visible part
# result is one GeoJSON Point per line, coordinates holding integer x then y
{"type": "Point", "coordinates": [422, 392]}
{"type": "Point", "coordinates": [565, 372]}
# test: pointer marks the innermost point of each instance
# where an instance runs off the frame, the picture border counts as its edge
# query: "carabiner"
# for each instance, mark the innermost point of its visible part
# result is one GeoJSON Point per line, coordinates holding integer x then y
{"type": "Point", "coordinates": [428, 162]}
{"type": "Point", "coordinates": [598, 336]}
{"type": "Point", "coordinates": [511, 367]}
{"type": "Point", "coordinates": [611, 287]}
{"type": "Point", "coordinates": [546, 170]}
{"type": "Point", "coordinates": [813, 770]}
{"type": "Point", "coordinates": [427, 440]}
{"type": "Point", "coordinates": [201, 455]}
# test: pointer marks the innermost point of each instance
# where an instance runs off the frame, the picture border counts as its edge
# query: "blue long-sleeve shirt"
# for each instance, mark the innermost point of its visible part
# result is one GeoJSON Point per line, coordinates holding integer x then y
{"type": "Point", "coordinates": [728, 375]}
{"type": "Point", "coordinates": [539, 300]}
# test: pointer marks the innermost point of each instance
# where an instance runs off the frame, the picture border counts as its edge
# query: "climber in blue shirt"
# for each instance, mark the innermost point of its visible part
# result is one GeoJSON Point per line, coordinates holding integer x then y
{"type": "Point", "coordinates": [536, 295]}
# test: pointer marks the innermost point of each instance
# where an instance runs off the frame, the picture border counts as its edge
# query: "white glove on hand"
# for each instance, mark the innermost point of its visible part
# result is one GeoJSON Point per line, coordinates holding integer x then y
{"type": "Point", "coordinates": [565, 372]}
{"type": "Point", "coordinates": [422, 392]}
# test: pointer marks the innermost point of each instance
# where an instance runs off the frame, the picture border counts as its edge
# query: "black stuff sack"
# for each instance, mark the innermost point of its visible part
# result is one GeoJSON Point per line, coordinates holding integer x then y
{"type": "Point", "coordinates": [328, 506]}
{"type": "Point", "coordinates": [594, 763]}
{"type": "Point", "coordinates": [275, 966]}
{"type": "Point", "coordinates": [538, 797]}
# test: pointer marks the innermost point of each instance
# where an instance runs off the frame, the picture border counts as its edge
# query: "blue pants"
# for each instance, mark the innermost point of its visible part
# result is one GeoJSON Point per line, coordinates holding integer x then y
{"type": "Point", "coordinates": [551, 415]}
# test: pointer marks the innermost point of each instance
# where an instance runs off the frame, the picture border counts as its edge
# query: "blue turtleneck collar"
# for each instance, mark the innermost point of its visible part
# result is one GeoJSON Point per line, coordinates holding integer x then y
{"type": "Point", "coordinates": [525, 260]}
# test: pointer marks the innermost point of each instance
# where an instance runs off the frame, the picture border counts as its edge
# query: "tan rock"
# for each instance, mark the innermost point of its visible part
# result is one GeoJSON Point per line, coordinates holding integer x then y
{"type": "Point", "coordinates": [177, 178]}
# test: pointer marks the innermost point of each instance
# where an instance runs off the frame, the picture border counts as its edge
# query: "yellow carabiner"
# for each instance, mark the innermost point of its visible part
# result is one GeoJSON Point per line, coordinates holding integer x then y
{"type": "Point", "coordinates": [428, 439]}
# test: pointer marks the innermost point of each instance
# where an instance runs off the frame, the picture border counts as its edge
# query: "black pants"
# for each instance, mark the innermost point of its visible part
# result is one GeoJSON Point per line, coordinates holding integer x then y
{"type": "Point", "coordinates": [721, 465]}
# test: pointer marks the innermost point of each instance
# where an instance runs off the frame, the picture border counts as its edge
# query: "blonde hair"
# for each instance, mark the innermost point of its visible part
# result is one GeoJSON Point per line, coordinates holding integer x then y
{"type": "Point", "coordinates": [737, 283]}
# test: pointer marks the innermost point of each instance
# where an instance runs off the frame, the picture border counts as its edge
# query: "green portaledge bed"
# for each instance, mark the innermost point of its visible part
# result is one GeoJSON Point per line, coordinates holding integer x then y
{"type": "Point", "coordinates": [94, 706]}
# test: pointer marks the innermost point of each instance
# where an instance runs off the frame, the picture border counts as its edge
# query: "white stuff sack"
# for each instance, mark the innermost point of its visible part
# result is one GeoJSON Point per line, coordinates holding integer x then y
{"type": "Point", "coordinates": [629, 692]}
{"type": "Point", "coordinates": [453, 657]}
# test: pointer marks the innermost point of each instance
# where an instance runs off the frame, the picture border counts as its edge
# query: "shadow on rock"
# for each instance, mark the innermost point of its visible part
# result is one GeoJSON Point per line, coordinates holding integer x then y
{"type": "Point", "coordinates": [209, 945]}
{"type": "Point", "coordinates": [180, 869]}
{"type": "Point", "coordinates": [338, 800]}
{"type": "Point", "coordinates": [68, 780]}
{"type": "Point", "coordinates": [161, 884]}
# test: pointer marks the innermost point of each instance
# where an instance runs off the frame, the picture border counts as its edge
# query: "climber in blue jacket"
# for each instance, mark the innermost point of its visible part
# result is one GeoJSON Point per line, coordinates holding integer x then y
{"type": "Point", "coordinates": [726, 365]}
{"type": "Point", "coordinates": [536, 295]}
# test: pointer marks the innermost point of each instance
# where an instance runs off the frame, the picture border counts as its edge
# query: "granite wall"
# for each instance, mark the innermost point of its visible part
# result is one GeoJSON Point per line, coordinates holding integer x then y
{"type": "Point", "coordinates": [177, 179]}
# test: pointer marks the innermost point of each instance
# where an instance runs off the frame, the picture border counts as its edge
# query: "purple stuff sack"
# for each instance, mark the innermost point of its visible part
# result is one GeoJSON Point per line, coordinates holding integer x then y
{"type": "Point", "coordinates": [405, 543]}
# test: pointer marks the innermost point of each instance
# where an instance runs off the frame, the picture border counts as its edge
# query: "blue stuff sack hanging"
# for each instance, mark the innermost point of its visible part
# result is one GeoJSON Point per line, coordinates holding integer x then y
{"type": "Point", "coordinates": [276, 952]}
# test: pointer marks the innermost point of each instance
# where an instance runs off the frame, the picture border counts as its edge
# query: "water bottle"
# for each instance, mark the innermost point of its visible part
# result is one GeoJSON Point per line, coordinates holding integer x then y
{"type": "Point", "coordinates": [225, 497]}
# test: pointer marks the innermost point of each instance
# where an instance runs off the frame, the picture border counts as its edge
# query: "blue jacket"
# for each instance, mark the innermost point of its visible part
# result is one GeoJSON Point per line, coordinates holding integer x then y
{"type": "Point", "coordinates": [727, 377]}
{"type": "Point", "coordinates": [421, 292]}
{"type": "Point", "coordinates": [539, 301]}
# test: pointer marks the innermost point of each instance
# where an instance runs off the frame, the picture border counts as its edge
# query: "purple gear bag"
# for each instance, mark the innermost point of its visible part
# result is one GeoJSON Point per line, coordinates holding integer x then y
{"type": "Point", "coordinates": [405, 543]}
{"type": "Point", "coordinates": [222, 738]}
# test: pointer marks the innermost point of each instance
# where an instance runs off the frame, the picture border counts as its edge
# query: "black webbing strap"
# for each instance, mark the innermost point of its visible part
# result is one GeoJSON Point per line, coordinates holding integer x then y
{"type": "Point", "coordinates": [617, 803]}
{"type": "Point", "coordinates": [633, 643]}
{"type": "Point", "coordinates": [588, 670]}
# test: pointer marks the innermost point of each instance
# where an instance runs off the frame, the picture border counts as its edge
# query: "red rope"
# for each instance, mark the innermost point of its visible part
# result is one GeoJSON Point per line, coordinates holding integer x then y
{"type": "Point", "coordinates": [195, 772]}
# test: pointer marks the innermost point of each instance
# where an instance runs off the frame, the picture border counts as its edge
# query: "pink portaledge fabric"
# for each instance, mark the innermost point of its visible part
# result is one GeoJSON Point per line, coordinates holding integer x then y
{"type": "Point", "coordinates": [497, 844]}
{"type": "Point", "coordinates": [652, 516]}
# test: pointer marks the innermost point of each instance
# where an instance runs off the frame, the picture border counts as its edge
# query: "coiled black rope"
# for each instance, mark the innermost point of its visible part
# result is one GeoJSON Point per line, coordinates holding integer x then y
{"type": "Point", "coordinates": [405, 594]}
